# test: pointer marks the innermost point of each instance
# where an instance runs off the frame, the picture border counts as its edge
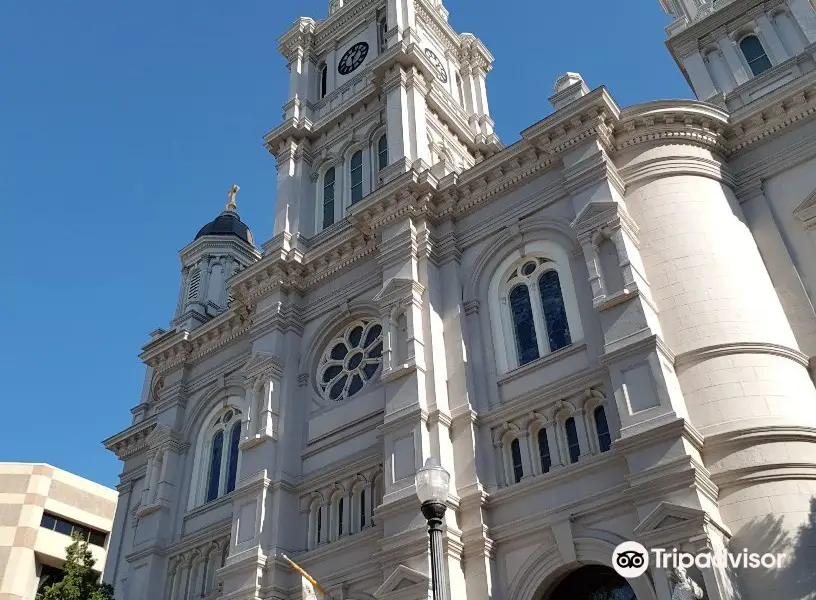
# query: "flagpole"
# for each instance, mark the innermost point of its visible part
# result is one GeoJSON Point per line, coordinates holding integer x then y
{"type": "Point", "coordinates": [308, 577]}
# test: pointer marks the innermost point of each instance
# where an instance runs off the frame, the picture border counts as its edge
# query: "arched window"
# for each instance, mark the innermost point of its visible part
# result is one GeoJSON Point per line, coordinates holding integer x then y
{"type": "Point", "coordinates": [515, 455]}
{"type": "Point", "coordinates": [328, 198]}
{"type": "Point", "coordinates": [324, 81]}
{"type": "Point", "coordinates": [357, 177]}
{"type": "Point", "coordinates": [350, 360]}
{"type": "Point", "coordinates": [755, 54]}
{"type": "Point", "coordinates": [382, 152]}
{"type": "Point", "coordinates": [362, 509]}
{"type": "Point", "coordinates": [319, 531]}
{"type": "Point", "coordinates": [544, 450]}
{"type": "Point", "coordinates": [225, 436]}
{"type": "Point", "coordinates": [340, 518]}
{"type": "Point", "coordinates": [573, 447]}
{"type": "Point", "coordinates": [538, 314]}
{"type": "Point", "coordinates": [602, 428]}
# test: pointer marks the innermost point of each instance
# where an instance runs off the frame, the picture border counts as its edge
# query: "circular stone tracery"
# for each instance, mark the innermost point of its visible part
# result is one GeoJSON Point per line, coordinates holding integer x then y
{"type": "Point", "coordinates": [350, 360]}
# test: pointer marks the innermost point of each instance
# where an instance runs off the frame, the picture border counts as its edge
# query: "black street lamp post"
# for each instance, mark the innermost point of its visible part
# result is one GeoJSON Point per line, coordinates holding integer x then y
{"type": "Point", "coordinates": [432, 483]}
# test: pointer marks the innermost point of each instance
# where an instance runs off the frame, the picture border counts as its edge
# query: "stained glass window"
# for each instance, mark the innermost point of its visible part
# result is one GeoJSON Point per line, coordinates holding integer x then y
{"type": "Point", "coordinates": [555, 315]}
{"type": "Point", "coordinates": [232, 466]}
{"type": "Point", "coordinates": [526, 343]}
{"type": "Point", "coordinates": [350, 360]}
{"type": "Point", "coordinates": [215, 466]}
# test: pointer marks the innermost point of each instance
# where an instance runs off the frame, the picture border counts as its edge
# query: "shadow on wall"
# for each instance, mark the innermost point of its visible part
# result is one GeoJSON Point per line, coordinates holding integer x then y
{"type": "Point", "coordinates": [797, 576]}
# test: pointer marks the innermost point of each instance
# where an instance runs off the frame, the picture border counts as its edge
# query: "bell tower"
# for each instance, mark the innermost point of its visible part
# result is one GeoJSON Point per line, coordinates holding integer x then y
{"type": "Point", "coordinates": [737, 52]}
{"type": "Point", "coordinates": [376, 88]}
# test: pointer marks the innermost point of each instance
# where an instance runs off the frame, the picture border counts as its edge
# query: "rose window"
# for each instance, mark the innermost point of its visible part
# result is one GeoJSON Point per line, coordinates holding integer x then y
{"type": "Point", "coordinates": [350, 360]}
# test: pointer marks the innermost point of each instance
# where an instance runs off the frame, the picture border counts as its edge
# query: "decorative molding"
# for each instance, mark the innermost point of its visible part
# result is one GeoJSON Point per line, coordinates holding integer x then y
{"type": "Point", "coordinates": [693, 357]}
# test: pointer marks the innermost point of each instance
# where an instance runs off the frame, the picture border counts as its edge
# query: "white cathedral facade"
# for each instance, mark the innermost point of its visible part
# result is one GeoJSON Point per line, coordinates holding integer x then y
{"type": "Point", "coordinates": [605, 331]}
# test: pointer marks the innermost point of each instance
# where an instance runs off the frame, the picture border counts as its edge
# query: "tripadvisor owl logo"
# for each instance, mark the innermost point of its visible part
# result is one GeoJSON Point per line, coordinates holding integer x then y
{"type": "Point", "coordinates": [630, 560]}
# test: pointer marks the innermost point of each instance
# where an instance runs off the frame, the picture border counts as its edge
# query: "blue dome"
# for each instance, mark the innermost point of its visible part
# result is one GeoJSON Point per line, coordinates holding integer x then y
{"type": "Point", "coordinates": [227, 223]}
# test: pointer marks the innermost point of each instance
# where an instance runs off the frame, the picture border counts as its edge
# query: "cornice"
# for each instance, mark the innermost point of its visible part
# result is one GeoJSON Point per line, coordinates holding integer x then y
{"type": "Point", "coordinates": [432, 20]}
{"type": "Point", "coordinates": [687, 359]}
{"type": "Point", "coordinates": [720, 17]}
{"type": "Point", "coordinates": [132, 440]}
{"type": "Point", "coordinates": [184, 347]}
{"type": "Point", "coordinates": [341, 23]}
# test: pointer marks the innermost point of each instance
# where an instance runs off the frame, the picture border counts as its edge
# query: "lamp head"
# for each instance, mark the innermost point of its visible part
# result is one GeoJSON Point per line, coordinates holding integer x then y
{"type": "Point", "coordinates": [432, 482]}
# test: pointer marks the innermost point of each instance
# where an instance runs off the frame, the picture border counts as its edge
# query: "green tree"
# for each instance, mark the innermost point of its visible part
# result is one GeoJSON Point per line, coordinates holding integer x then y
{"type": "Point", "coordinates": [80, 581]}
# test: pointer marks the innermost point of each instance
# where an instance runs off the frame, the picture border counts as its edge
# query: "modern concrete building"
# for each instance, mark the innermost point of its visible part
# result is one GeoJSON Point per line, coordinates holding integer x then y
{"type": "Point", "coordinates": [605, 330]}
{"type": "Point", "coordinates": [40, 507]}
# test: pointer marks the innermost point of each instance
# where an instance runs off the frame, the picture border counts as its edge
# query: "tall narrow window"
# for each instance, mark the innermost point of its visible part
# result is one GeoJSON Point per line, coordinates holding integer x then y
{"type": "Point", "coordinates": [460, 86]}
{"type": "Point", "coordinates": [602, 427]}
{"type": "Point", "coordinates": [382, 153]}
{"type": "Point", "coordinates": [340, 518]}
{"type": "Point", "coordinates": [515, 452]}
{"type": "Point", "coordinates": [232, 465]}
{"type": "Point", "coordinates": [544, 450]}
{"type": "Point", "coordinates": [195, 281]}
{"type": "Point", "coordinates": [526, 344]}
{"type": "Point", "coordinates": [357, 177]}
{"type": "Point", "coordinates": [319, 524]}
{"type": "Point", "coordinates": [324, 81]}
{"type": "Point", "coordinates": [755, 54]}
{"type": "Point", "coordinates": [572, 440]}
{"type": "Point", "coordinates": [362, 509]}
{"type": "Point", "coordinates": [328, 198]}
{"type": "Point", "coordinates": [555, 315]}
{"type": "Point", "coordinates": [215, 466]}
{"type": "Point", "coordinates": [382, 29]}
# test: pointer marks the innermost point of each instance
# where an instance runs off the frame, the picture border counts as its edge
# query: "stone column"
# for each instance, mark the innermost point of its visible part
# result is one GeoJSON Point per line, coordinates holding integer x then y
{"type": "Point", "coordinates": [583, 436]}
{"type": "Point", "coordinates": [697, 71]}
{"type": "Point", "coordinates": [730, 50]}
{"type": "Point", "coordinates": [805, 15]}
{"type": "Point", "coordinates": [775, 49]}
{"type": "Point", "coordinates": [552, 442]}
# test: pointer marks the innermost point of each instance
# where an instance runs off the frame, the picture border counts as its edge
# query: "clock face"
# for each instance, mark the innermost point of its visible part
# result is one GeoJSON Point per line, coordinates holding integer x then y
{"type": "Point", "coordinates": [353, 58]}
{"type": "Point", "coordinates": [441, 73]}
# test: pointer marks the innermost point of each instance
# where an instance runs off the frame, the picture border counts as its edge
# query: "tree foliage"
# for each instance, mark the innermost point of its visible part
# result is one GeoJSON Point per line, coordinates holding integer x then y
{"type": "Point", "coordinates": [80, 581]}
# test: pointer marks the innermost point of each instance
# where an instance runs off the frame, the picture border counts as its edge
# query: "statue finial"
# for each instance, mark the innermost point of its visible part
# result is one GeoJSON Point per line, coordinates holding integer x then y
{"type": "Point", "coordinates": [231, 205]}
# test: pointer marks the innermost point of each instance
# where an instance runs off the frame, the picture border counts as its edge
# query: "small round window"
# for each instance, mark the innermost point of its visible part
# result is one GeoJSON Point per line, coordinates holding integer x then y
{"type": "Point", "coordinates": [350, 360]}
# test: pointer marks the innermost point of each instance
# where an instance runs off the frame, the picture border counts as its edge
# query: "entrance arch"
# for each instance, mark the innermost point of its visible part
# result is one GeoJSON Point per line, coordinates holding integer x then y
{"type": "Point", "coordinates": [591, 582]}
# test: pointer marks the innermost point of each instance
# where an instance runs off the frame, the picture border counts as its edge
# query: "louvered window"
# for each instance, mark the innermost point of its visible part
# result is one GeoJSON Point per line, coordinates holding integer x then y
{"type": "Point", "coordinates": [195, 281]}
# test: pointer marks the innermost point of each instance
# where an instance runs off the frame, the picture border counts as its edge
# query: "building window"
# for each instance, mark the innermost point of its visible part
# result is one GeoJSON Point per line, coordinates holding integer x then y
{"type": "Point", "coordinates": [362, 509]}
{"type": "Point", "coordinates": [328, 198]}
{"type": "Point", "coordinates": [71, 528]}
{"type": "Point", "coordinates": [382, 30]}
{"type": "Point", "coordinates": [319, 530]}
{"type": "Point", "coordinates": [461, 89]}
{"type": "Point", "coordinates": [350, 360]}
{"type": "Point", "coordinates": [382, 153]}
{"type": "Point", "coordinates": [357, 177]}
{"type": "Point", "coordinates": [544, 450]}
{"type": "Point", "coordinates": [537, 303]}
{"type": "Point", "coordinates": [340, 517]}
{"type": "Point", "coordinates": [602, 428]}
{"type": "Point", "coordinates": [225, 434]}
{"type": "Point", "coordinates": [755, 54]}
{"type": "Point", "coordinates": [324, 81]}
{"type": "Point", "coordinates": [515, 455]}
{"type": "Point", "coordinates": [555, 315]}
{"type": "Point", "coordinates": [573, 447]}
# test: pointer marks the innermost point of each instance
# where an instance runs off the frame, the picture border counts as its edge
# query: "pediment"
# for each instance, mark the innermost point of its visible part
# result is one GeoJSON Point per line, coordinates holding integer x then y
{"type": "Point", "coordinates": [263, 363]}
{"type": "Point", "coordinates": [402, 578]}
{"type": "Point", "coordinates": [594, 214]}
{"type": "Point", "coordinates": [669, 516]}
{"type": "Point", "coordinates": [806, 211]}
{"type": "Point", "coordinates": [397, 289]}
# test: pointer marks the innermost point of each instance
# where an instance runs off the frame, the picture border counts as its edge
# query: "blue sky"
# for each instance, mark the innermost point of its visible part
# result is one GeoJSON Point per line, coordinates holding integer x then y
{"type": "Point", "coordinates": [123, 125]}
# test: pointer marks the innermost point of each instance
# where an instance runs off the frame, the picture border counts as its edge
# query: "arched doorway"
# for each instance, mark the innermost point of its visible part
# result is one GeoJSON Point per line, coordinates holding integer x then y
{"type": "Point", "coordinates": [592, 582]}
